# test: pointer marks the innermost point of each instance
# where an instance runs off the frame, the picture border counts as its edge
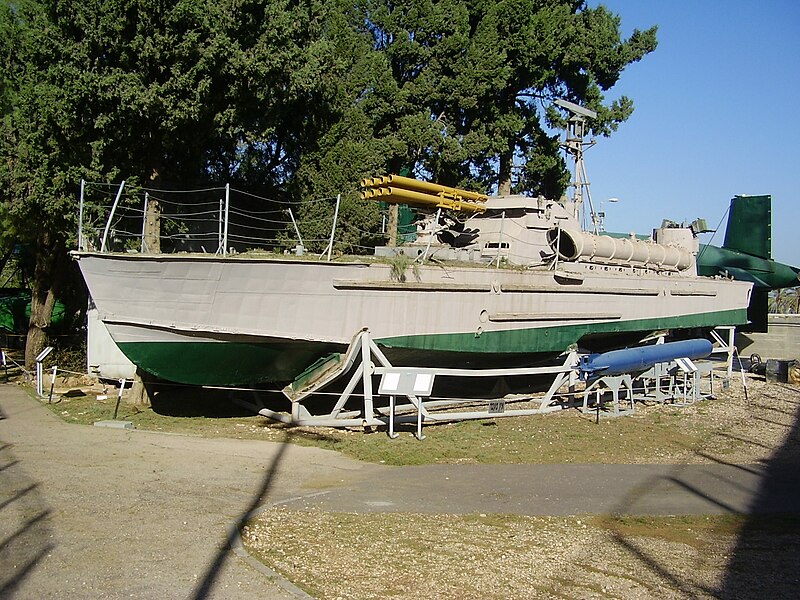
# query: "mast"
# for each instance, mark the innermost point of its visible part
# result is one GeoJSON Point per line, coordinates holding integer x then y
{"type": "Point", "coordinates": [574, 145]}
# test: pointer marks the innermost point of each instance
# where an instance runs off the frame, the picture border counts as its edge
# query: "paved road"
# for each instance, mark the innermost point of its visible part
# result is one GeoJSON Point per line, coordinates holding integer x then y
{"type": "Point", "coordinates": [564, 490]}
{"type": "Point", "coordinates": [89, 512]}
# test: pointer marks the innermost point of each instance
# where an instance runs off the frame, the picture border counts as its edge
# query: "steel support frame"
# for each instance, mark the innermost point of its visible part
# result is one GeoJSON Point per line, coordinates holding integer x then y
{"type": "Point", "coordinates": [374, 363]}
{"type": "Point", "coordinates": [672, 383]}
{"type": "Point", "coordinates": [367, 360]}
{"type": "Point", "coordinates": [612, 383]}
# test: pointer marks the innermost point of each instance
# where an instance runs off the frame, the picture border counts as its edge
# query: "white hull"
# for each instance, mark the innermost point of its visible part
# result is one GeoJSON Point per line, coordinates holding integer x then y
{"type": "Point", "coordinates": [183, 299]}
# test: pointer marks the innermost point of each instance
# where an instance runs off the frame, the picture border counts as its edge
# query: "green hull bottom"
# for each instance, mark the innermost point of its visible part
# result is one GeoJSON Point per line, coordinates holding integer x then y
{"type": "Point", "coordinates": [225, 363]}
{"type": "Point", "coordinates": [239, 363]}
{"type": "Point", "coordinates": [558, 338]}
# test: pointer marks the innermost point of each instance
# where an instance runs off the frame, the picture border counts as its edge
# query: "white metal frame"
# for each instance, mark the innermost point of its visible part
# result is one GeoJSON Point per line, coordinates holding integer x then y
{"type": "Point", "coordinates": [374, 363]}
{"type": "Point", "coordinates": [614, 384]}
{"type": "Point", "coordinates": [680, 382]}
{"type": "Point", "coordinates": [676, 381]}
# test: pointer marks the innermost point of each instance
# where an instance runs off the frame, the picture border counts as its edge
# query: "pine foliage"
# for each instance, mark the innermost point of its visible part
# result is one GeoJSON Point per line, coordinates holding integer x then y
{"type": "Point", "coordinates": [293, 100]}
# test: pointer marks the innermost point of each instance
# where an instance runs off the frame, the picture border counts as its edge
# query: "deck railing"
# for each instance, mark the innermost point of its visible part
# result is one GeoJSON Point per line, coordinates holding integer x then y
{"type": "Point", "coordinates": [216, 220]}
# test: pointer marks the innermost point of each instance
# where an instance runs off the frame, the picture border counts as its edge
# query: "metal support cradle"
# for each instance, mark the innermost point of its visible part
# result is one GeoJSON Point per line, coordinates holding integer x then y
{"type": "Point", "coordinates": [415, 384]}
{"type": "Point", "coordinates": [683, 381]}
{"type": "Point", "coordinates": [614, 384]}
{"type": "Point", "coordinates": [676, 381]}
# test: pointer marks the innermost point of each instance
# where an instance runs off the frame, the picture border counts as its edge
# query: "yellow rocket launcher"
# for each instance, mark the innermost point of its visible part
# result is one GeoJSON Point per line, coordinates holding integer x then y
{"type": "Point", "coordinates": [396, 189]}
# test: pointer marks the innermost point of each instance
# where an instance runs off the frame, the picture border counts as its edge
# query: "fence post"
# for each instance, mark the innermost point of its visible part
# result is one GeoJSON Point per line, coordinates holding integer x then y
{"type": "Point", "coordinates": [333, 227]}
{"type": "Point", "coordinates": [111, 216]}
{"type": "Point", "coordinates": [80, 216]}
{"type": "Point", "coordinates": [220, 220]}
{"type": "Point", "coordinates": [144, 223]}
{"type": "Point", "coordinates": [39, 359]}
{"type": "Point", "coordinates": [227, 212]}
{"type": "Point", "coordinates": [296, 230]}
{"type": "Point", "coordinates": [119, 397]}
{"type": "Point", "coordinates": [52, 384]}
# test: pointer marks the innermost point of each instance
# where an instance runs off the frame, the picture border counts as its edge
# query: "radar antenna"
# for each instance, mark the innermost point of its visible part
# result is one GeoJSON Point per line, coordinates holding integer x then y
{"type": "Point", "coordinates": [574, 145]}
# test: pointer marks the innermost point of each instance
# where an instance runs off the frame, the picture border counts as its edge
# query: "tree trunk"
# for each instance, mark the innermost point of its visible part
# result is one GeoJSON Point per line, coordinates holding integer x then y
{"type": "Point", "coordinates": [47, 278]}
{"type": "Point", "coordinates": [393, 222]}
{"type": "Point", "coordinates": [504, 179]}
{"type": "Point", "coordinates": [152, 228]}
{"type": "Point", "coordinates": [42, 303]}
{"type": "Point", "coordinates": [152, 218]}
{"type": "Point", "coordinates": [140, 394]}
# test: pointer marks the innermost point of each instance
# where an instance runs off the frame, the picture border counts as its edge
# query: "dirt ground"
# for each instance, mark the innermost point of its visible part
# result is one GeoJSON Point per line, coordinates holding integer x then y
{"type": "Point", "coordinates": [91, 512]}
{"type": "Point", "coordinates": [727, 523]}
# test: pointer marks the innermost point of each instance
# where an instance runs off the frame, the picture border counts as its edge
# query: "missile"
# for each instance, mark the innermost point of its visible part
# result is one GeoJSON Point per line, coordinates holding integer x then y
{"type": "Point", "coordinates": [632, 360]}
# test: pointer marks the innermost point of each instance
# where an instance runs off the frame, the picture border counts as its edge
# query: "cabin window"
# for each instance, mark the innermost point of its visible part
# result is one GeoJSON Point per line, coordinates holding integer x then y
{"type": "Point", "coordinates": [497, 213]}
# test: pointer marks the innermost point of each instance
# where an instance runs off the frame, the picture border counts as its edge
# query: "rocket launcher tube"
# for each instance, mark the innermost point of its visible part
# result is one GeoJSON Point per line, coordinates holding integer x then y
{"type": "Point", "coordinates": [406, 196]}
{"type": "Point", "coordinates": [399, 181]}
{"type": "Point", "coordinates": [404, 190]}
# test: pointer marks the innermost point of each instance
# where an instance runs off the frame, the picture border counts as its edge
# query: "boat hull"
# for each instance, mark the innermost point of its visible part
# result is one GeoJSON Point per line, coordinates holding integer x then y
{"type": "Point", "coordinates": [235, 321]}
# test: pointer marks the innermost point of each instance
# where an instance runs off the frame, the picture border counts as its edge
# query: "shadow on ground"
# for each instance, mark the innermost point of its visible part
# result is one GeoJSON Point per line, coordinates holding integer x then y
{"type": "Point", "coordinates": [222, 403]}
{"type": "Point", "coordinates": [25, 533]}
{"type": "Point", "coordinates": [224, 551]}
{"type": "Point", "coordinates": [764, 561]}
{"type": "Point", "coordinates": [186, 401]}
{"type": "Point", "coordinates": [768, 545]}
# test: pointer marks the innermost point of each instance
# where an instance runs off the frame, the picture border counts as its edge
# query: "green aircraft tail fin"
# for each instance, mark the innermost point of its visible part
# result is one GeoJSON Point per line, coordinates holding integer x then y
{"type": "Point", "coordinates": [749, 227]}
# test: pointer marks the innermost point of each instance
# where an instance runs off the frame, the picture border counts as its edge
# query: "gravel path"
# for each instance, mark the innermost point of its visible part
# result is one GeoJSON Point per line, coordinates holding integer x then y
{"type": "Point", "coordinates": [91, 512]}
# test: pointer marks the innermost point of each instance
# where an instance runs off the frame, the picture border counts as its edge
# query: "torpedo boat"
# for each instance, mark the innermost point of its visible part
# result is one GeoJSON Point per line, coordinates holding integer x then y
{"type": "Point", "coordinates": [488, 281]}
{"type": "Point", "coordinates": [518, 282]}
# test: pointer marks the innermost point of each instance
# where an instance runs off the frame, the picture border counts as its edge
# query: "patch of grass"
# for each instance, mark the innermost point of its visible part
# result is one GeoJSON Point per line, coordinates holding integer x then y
{"type": "Point", "coordinates": [195, 417]}
{"type": "Point", "coordinates": [399, 264]}
{"type": "Point", "coordinates": [696, 530]}
{"type": "Point", "coordinates": [563, 437]}
{"type": "Point", "coordinates": [555, 438]}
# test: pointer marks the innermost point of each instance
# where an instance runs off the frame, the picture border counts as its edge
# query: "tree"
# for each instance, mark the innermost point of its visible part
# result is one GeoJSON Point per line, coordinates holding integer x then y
{"type": "Point", "coordinates": [358, 96]}
{"type": "Point", "coordinates": [36, 136]}
{"type": "Point", "coordinates": [294, 99]}
{"type": "Point", "coordinates": [461, 93]}
{"type": "Point", "coordinates": [99, 89]}
{"type": "Point", "coordinates": [476, 81]}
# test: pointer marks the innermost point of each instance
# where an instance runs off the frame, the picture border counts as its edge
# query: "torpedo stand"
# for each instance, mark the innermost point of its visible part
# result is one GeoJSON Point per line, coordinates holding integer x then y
{"type": "Point", "coordinates": [673, 379]}
{"type": "Point", "coordinates": [684, 381]}
{"type": "Point", "coordinates": [679, 373]}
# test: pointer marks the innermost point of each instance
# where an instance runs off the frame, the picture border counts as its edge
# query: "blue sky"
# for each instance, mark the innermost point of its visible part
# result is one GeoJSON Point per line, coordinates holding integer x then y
{"type": "Point", "coordinates": [715, 117]}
